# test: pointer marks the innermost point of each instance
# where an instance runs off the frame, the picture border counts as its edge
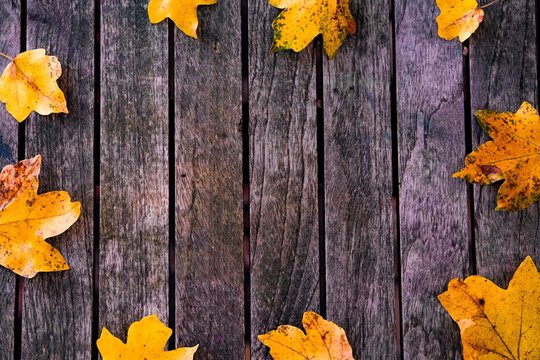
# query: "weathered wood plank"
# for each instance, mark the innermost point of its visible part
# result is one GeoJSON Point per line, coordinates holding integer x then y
{"type": "Point", "coordinates": [10, 33]}
{"type": "Point", "coordinates": [283, 181]}
{"type": "Point", "coordinates": [358, 180]}
{"type": "Point", "coordinates": [133, 269]}
{"type": "Point", "coordinates": [433, 206]}
{"type": "Point", "coordinates": [57, 317]}
{"type": "Point", "coordinates": [209, 221]}
{"type": "Point", "coordinates": [503, 75]}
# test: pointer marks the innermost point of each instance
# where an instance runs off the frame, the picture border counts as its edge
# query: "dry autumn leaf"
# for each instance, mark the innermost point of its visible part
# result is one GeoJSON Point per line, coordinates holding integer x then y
{"type": "Point", "coordinates": [323, 340]}
{"type": "Point", "coordinates": [27, 219]}
{"type": "Point", "coordinates": [512, 156]}
{"type": "Point", "coordinates": [28, 84]}
{"type": "Point", "coordinates": [497, 323]}
{"type": "Point", "coordinates": [182, 12]}
{"type": "Point", "coordinates": [302, 20]}
{"type": "Point", "coordinates": [459, 18]}
{"type": "Point", "coordinates": [146, 340]}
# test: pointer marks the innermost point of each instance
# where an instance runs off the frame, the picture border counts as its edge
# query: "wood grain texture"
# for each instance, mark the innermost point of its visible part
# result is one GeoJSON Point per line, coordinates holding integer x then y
{"type": "Point", "coordinates": [358, 178]}
{"type": "Point", "coordinates": [283, 181]}
{"type": "Point", "coordinates": [10, 32]}
{"type": "Point", "coordinates": [433, 206]}
{"type": "Point", "coordinates": [134, 222]}
{"type": "Point", "coordinates": [208, 168]}
{"type": "Point", "coordinates": [57, 317]}
{"type": "Point", "coordinates": [503, 75]}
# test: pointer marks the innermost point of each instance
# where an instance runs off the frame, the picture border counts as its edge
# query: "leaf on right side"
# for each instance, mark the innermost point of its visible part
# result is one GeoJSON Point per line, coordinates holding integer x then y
{"type": "Point", "coordinates": [497, 323]}
{"type": "Point", "coordinates": [512, 156]}
{"type": "Point", "coordinates": [302, 20]}
{"type": "Point", "coordinates": [323, 340]}
{"type": "Point", "coordinates": [458, 18]}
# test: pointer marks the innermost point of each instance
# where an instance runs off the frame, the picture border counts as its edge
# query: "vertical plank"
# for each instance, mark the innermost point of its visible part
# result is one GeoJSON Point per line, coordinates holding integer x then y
{"type": "Point", "coordinates": [358, 177]}
{"type": "Point", "coordinates": [283, 181]}
{"type": "Point", "coordinates": [57, 318]}
{"type": "Point", "coordinates": [209, 221]}
{"type": "Point", "coordinates": [134, 172]}
{"type": "Point", "coordinates": [10, 33]}
{"type": "Point", "coordinates": [433, 206]}
{"type": "Point", "coordinates": [503, 75]}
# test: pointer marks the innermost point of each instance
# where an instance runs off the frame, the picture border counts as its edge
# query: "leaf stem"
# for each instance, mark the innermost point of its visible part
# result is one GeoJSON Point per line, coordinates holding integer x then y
{"type": "Point", "coordinates": [6, 56]}
{"type": "Point", "coordinates": [488, 4]}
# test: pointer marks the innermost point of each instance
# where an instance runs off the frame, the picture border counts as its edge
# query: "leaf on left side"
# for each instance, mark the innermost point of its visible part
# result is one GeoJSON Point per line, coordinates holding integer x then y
{"type": "Point", "coordinates": [27, 219]}
{"type": "Point", "coordinates": [512, 156]}
{"type": "Point", "coordinates": [323, 340]}
{"type": "Point", "coordinates": [497, 323]}
{"type": "Point", "coordinates": [28, 84]}
{"type": "Point", "coordinates": [458, 18]}
{"type": "Point", "coordinates": [182, 12]}
{"type": "Point", "coordinates": [146, 340]}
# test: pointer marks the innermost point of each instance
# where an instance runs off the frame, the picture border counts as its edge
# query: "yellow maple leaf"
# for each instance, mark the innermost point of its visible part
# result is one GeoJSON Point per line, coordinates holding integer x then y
{"type": "Point", "coordinates": [28, 84]}
{"type": "Point", "coordinates": [323, 340]}
{"type": "Point", "coordinates": [459, 18]}
{"type": "Point", "coordinates": [27, 219]}
{"type": "Point", "coordinates": [182, 12]}
{"type": "Point", "coordinates": [512, 156]}
{"type": "Point", "coordinates": [302, 20]}
{"type": "Point", "coordinates": [146, 340]}
{"type": "Point", "coordinates": [497, 323]}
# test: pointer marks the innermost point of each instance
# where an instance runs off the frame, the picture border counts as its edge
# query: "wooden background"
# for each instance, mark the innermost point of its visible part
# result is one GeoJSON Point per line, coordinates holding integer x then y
{"type": "Point", "coordinates": [229, 189]}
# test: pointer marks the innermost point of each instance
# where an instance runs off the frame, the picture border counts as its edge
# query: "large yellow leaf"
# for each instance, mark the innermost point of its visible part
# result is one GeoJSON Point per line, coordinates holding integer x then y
{"type": "Point", "coordinates": [27, 219]}
{"type": "Point", "coordinates": [302, 20]}
{"type": "Point", "coordinates": [182, 12]}
{"type": "Point", "coordinates": [146, 340]}
{"type": "Point", "coordinates": [29, 84]}
{"type": "Point", "coordinates": [323, 340]}
{"type": "Point", "coordinates": [458, 18]}
{"type": "Point", "coordinates": [512, 156]}
{"type": "Point", "coordinates": [497, 323]}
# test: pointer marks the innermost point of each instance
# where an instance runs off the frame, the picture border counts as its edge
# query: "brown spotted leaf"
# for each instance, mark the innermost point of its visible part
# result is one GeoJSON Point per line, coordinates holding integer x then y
{"type": "Point", "coordinates": [27, 219]}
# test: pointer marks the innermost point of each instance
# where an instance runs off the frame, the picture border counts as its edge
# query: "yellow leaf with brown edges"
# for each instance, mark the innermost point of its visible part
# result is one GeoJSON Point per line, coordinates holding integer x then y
{"type": "Point", "coordinates": [146, 340]}
{"type": "Point", "coordinates": [512, 156]}
{"type": "Point", "coordinates": [182, 12]}
{"type": "Point", "coordinates": [497, 323]}
{"type": "Point", "coordinates": [302, 20]}
{"type": "Point", "coordinates": [323, 340]}
{"type": "Point", "coordinates": [458, 18]}
{"type": "Point", "coordinates": [27, 219]}
{"type": "Point", "coordinates": [28, 84]}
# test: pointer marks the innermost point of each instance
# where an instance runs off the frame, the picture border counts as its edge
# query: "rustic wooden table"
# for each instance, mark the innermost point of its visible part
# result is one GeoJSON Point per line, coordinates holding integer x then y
{"type": "Point", "coordinates": [229, 189]}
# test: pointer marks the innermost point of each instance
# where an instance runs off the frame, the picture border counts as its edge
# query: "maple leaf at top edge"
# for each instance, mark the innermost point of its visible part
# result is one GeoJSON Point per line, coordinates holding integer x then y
{"type": "Point", "coordinates": [513, 155]}
{"type": "Point", "coordinates": [458, 18]}
{"type": "Point", "coordinates": [497, 323]}
{"type": "Point", "coordinates": [182, 12]}
{"type": "Point", "coordinates": [302, 20]}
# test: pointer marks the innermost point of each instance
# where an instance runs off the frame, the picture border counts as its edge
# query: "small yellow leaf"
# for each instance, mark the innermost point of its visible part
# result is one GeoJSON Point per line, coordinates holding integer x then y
{"type": "Point", "coordinates": [497, 323]}
{"type": "Point", "coordinates": [28, 84]}
{"type": "Point", "coordinates": [323, 340]}
{"type": "Point", "coordinates": [512, 156]}
{"type": "Point", "coordinates": [458, 18]}
{"type": "Point", "coordinates": [182, 12]}
{"type": "Point", "coordinates": [27, 219]}
{"type": "Point", "coordinates": [302, 20]}
{"type": "Point", "coordinates": [146, 340]}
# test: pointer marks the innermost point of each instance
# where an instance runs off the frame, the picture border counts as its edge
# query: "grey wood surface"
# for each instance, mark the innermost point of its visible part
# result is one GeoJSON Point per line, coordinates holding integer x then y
{"type": "Point", "coordinates": [208, 171]}
{"type": "Point", "coordinates": [134, 220]}
{"type": "Point", "coordinates": [283, 181]}
{"type": "Point", "coordinates": [433, 206]}
{"type": "Point", "coordinates": [10, 33]}
{"type": "Point", "coordinates": [503, 75]}
{"type": "Point", "coordinates": [57, 317]}
{"type": "Point", "coordinates": [358, 185]}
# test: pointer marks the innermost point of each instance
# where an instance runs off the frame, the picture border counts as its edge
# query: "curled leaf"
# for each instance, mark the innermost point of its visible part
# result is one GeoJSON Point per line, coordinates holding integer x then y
{"type": "Point", "coordinates": [458, 18]}
{"type": "Point", "coordinates": [182, 12]}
